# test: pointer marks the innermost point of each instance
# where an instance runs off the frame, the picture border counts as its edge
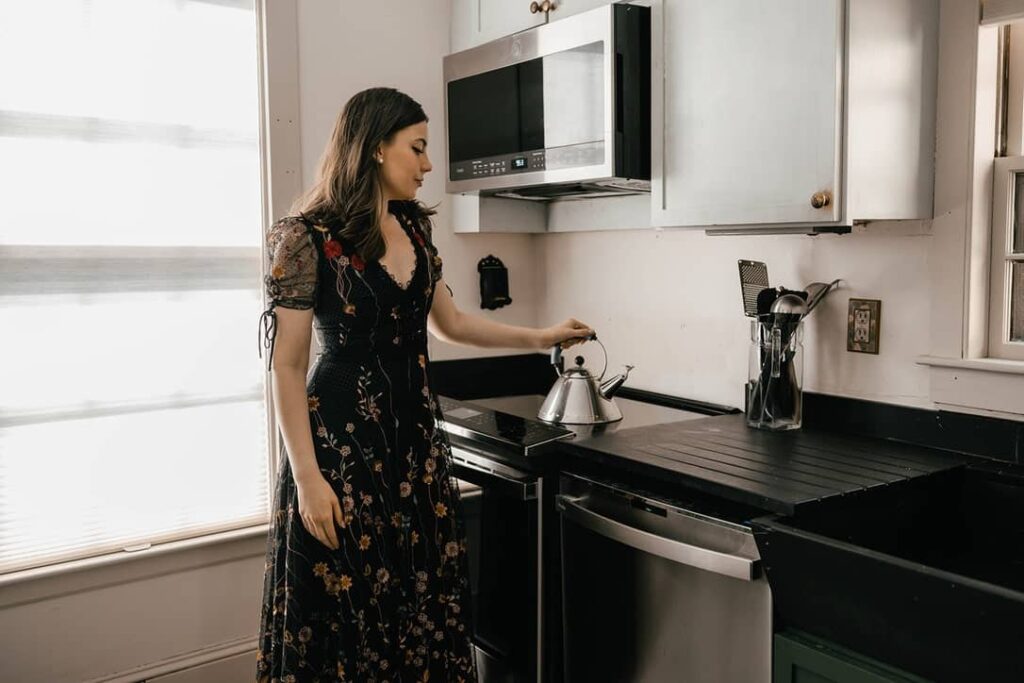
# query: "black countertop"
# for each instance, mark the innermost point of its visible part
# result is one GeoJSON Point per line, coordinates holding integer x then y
{"type": "Point", "coordinates": [720, 455]}
{"type": "Point", "coordinates": [777, 471]}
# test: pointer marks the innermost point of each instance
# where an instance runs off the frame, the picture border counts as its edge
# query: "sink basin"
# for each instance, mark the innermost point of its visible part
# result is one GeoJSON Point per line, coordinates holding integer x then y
{"type": "Point", "coordinates": [926, 575]}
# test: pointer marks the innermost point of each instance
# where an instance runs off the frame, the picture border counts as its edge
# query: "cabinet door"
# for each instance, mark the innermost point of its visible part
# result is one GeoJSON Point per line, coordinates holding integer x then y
{"type": "Point", "coordinates": [752, 112]}
{"type": "Point", "coordinates": [497, 18]}
{"type": "Point", "coordinates": [801, 658]}
{"type": "Point", "coordinates": [474, 22]}
{"type": "Point", "coordinates": [477, 21]}
{"type": "Point", "coordinates": [463, 25]}
{"type": "Point", "coordinates": [567, 8]}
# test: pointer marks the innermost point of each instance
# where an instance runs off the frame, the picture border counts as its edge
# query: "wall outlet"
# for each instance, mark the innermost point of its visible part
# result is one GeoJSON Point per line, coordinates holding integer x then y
{"type": "Point", "coordinates": [863, 325]}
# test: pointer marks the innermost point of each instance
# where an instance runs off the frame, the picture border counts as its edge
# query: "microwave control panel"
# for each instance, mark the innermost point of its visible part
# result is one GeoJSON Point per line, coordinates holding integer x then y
{"type": "Point", "coordinates": [506, 164]}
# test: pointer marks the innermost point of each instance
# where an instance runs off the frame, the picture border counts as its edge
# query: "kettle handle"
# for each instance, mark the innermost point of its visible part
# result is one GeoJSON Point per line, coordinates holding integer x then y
{"type": "Point", "coordinates": [556, 358]}
{"type": "Point", "coordinates": [556, 353]}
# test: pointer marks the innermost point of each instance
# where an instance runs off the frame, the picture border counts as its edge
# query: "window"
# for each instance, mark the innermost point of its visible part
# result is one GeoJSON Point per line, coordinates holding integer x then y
{"type": "Point", "coordinates": [1006, 316]}
{"type": "Point", "coordinates": [132, 406]}
{"type": "Point", "coordinates": [1006, 331]}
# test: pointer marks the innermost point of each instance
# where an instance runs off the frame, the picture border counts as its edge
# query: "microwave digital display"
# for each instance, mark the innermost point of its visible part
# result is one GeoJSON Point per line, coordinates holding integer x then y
{"type": "Point", "coordinates": [518, 163]}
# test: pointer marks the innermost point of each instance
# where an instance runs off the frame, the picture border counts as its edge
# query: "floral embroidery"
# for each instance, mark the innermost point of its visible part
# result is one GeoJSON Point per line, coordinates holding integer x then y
{"type": "Point", "coordinates": [386, 604]}
{"type": "Point", "coordinates": [332, 249]}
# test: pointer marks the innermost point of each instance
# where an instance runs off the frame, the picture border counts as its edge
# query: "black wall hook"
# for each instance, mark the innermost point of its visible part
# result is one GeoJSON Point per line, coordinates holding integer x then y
{"type": "Point", "coordinates": [493, 283]}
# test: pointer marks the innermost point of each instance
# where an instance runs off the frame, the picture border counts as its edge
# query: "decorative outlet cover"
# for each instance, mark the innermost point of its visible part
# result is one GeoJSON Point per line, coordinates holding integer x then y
{"type": "Point", "coordinates": [863, 325]}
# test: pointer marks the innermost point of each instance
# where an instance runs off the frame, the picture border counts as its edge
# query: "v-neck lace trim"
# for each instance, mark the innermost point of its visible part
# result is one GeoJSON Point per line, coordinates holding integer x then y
{"type": "Point", "coordinates": [391, 277]}
{"type": "Point", "coordinates": [407, 229]}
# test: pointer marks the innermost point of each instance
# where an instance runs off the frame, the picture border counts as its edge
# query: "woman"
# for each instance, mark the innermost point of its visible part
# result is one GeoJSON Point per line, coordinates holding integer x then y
{"type": "Point", "coordinates": [366, 564]}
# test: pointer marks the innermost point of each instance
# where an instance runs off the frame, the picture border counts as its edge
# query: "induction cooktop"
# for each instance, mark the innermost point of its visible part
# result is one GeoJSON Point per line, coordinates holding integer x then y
{"type": "Point", "coordinates": [509, 424]}
{"type": "Point", "coordinates": [491, 428]}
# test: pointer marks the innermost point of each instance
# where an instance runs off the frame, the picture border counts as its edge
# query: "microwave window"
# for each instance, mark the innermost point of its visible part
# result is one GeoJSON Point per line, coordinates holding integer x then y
{"type": "Point", "coordinates": [497, 112]}
{"type": "Point", "coordinates": [573, 94]}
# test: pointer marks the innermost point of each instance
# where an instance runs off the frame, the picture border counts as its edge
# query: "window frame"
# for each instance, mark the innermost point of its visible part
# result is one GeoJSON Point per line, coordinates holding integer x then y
{"type": "Point", "coordinates": [276, 52]}
{"type": "Point", "coordinates": [1002, 258]}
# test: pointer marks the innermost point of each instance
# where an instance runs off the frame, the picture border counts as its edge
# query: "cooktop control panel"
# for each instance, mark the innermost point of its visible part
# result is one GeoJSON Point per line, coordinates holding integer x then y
{"type": "Point", "coordinates": [508, 428]}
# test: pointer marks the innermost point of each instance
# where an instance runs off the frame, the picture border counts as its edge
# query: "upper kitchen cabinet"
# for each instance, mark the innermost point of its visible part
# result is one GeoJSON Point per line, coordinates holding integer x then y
{"type": "Point", "coordinates": [476, 21]}
{"type": "Point", "coordinates": [796, 113]}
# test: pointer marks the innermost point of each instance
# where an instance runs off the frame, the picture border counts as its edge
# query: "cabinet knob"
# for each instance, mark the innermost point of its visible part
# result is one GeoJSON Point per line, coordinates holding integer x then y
{"type": "Point", "coordinates": [544, 7]}
{"type": "Point", "coordinates": [820, 200]}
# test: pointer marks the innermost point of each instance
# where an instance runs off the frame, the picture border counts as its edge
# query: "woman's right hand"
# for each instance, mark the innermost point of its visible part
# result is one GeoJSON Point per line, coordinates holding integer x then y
{"type": "Point", "coordinates": [565, 334]}
{"type": "Point", "coordinates": [319, 508]}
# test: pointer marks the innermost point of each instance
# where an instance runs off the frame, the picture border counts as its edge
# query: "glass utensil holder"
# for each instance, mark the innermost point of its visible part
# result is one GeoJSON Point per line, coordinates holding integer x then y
{"type": "Point", "coordinates": [775, 383]}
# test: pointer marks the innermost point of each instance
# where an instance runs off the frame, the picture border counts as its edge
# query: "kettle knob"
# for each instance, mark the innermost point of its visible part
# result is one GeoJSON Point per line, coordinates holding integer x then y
{"type": "Point", "coordinates": [579, 360]}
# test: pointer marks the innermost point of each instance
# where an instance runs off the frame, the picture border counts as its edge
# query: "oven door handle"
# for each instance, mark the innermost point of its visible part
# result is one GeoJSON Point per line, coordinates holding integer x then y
{"type": "Point", "coordinates": [483, 477]}
{"type": "Point", "coordinates": [677, 551]}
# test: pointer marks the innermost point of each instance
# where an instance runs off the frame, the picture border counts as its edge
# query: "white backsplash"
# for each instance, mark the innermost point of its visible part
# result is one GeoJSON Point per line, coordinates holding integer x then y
{"type": "Point", "coordinates": [669, 303]}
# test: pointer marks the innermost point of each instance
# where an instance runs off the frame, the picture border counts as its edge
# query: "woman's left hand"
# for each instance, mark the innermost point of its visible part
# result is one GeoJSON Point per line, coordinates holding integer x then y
{"type": "Point", "coordinates": [567, 333]}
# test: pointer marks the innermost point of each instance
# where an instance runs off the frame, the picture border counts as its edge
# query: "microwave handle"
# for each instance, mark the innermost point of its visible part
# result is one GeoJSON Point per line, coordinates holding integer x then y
{"type": "Point", "coordinates": [575, 509]}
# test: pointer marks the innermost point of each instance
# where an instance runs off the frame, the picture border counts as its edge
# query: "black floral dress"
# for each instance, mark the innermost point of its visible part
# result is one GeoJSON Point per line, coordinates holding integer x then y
{"type": "Point", "coordinates": [391, 604]}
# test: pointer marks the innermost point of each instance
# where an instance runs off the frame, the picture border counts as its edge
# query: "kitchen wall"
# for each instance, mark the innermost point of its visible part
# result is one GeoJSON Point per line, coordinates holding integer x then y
{"type": "Point", "coordinates": [668, 301]}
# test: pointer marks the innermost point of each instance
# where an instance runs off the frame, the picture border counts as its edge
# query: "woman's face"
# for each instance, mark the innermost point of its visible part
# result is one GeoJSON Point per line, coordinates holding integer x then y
{"type": "Point", "coordinates": [405, 162]}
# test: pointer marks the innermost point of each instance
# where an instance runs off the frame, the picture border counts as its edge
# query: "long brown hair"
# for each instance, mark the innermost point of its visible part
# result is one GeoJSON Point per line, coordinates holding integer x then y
{"type": "Point", "coordinates": [347, 191]}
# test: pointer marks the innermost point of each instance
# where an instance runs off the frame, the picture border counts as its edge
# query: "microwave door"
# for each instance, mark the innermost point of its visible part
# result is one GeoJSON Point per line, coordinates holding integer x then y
{"type": "Point", "coordinates": [575, 119]}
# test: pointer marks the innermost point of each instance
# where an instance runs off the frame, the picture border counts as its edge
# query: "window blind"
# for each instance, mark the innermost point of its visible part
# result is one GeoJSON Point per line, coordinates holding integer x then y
{"type": "Point", "coordinates": [132, 407]}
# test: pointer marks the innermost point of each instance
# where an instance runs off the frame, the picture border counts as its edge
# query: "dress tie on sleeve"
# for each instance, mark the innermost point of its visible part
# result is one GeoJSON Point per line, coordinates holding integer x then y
{"type": "Point", "coordinates": [268, 333]}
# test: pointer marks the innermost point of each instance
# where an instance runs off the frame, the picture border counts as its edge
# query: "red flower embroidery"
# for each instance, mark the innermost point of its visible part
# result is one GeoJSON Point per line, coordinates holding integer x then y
{"type": "Point", "coordinates": [358, 263]}
{"type": "Point", "coordinates": [332, 249]}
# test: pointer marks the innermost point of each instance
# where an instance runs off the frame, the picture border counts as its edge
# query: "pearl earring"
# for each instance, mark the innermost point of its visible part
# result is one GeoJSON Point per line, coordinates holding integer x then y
{"type": "Point", "coordinates": [380, 160]}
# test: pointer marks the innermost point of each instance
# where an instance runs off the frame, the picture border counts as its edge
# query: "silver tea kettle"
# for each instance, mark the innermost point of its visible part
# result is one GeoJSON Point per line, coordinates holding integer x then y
{"type": "Point", "coordinates": [579, 398]}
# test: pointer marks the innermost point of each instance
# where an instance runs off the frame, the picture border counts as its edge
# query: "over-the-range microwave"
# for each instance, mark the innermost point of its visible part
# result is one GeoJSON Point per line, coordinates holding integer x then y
{"type": "Point", "coordinates": [559, 111]}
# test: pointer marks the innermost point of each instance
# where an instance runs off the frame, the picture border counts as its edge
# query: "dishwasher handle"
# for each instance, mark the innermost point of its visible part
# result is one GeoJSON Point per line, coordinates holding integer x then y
{"type": "Point", "coordinates": [742, 568]}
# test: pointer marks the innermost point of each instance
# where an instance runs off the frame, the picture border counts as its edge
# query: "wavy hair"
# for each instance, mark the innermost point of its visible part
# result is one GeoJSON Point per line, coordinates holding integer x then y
{"type": "Point", "coordinates": [348, 191]}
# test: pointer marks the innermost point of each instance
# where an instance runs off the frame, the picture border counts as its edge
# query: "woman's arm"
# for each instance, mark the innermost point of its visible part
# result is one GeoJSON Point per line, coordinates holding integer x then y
{"type": "Point", "coordinates": [319, 508]}
{"type": "Point", "coordinates": [291, 364]}
{"type": "Point", "coordinates": [448, 323]}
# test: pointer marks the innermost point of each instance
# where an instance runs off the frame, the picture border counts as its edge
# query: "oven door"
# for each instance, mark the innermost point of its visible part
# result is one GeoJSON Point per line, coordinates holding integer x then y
{"type": "Point", "coordinates": [501, 516]}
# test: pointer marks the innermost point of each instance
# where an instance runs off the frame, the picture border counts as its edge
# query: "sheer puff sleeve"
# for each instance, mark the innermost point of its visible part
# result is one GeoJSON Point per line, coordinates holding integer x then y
{"type": "Point", "coordinates": [291, 276]}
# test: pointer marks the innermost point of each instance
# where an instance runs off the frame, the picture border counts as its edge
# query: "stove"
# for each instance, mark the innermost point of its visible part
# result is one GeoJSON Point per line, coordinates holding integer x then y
{"type": "Point", "coordinates": [634, 413]}
{"type": "Point", "coordinates": [507, 426]}
{"type": "Point", "coordinates": [507, 490]}
{"type": "Point", "coordinates": [499, 431]}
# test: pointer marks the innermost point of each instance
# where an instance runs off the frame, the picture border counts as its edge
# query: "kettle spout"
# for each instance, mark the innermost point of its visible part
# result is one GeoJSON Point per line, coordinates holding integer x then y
{"type": "Point", "coordinates": [609, 388]}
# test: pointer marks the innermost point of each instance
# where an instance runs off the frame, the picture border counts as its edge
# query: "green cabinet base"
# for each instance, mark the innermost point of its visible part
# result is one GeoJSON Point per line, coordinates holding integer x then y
{"type": "Point", "coordinates": [802, 658]}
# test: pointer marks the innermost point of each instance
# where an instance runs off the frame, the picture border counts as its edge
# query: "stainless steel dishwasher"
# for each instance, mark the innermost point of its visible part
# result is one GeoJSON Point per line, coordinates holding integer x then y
{"type": "Point", "coordinates": [653, 591]}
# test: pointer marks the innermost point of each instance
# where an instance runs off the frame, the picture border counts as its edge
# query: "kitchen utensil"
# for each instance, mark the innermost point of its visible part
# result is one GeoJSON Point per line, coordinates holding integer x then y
{"type": "Point", "coordinates": [816, 291]}
{"type": "Point", "coordinates": [774, 390]}
{"type": "Point", "coordinates": [577, 397]}
{"type": "Point", "coordinates": [789, 304]}
{"type": "Point", "coordinates": [753, 280]}
{"type": "Point", "coordinates": [765, 298]}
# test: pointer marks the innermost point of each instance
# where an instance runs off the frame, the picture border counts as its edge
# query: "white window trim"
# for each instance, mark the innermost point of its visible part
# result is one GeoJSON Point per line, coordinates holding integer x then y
{"type": "Point", "coordinates": [281, 177]}
{"type": "Point", "coordinates": [999, 346]}
{"type": "Point", "coordinates": [963, 373]}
